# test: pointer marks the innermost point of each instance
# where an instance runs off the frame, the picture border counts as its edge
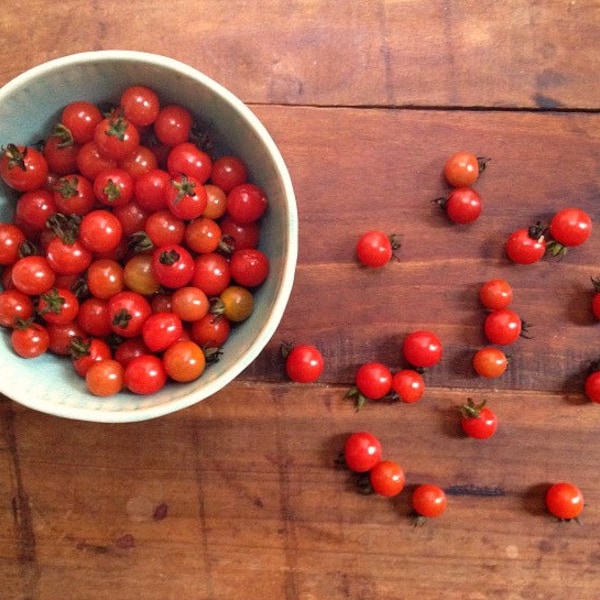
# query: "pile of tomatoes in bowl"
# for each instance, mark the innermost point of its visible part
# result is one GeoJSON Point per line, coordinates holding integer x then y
{"type": "Point", "coordinates": [133, 250]}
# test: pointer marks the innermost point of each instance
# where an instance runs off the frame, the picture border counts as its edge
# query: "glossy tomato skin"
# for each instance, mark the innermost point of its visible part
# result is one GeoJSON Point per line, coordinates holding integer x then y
{"type": "Point", "coordinates": [14, 306]}
{"type": "Point", "coordinates": [211, 331]}
{"type": "Point", "coordinates": [105, 378]}
{"type": "Point", "coordinates": [33, 275]}
{"type": "Point", "coordinates": [100, 231]}
{"type": "Point", "coordinates": [30, 340]}
{"type": "Point", "coordinates": [80, 118]}
{"type": "Point", "coordinates": [212, 273]}
{"type": "Point", "coordinates": [373, 380]}
{"type": "Point", "coordinates": [246, 203]}
{"type": "Point", "coordinates": [564, 500]}
{"type": "Point", "coordinates": [362, 451]}
{"type": "Point", "coordinates": [387, 478]}
{"type": "Point", "coordinates": [68, 258]}
{"type": "Point", "coordinates": [503, 326]}
{"type": "Point", "coordinates": [463, 206]}
{"type": "Point", "coordinates": [374, 249]}
{"type": "Point", "coordinates": [570, 227]}
{"type": "Point", "coordinates": [113, 187]}
{"type": "Point", "coordinates": [127, 312]}
{"type": "Point", "coordinates": [160, 330]}
{"type": "Point", "coordinates": [116, 137]}
{"type": "Point", "coordinates": [236, 303]}
{"type": "Point", "coordinates": [145, 374]}
{"type": "Point", "coordinates": [185, 197]}
{"type": "Point", "coordinates": [429, 500]}
{"type": "Point", "coordinates": [462, 169]}
{"type": "Point", "coordinates": [11, 238]}
{"type": "Point", "coordinates": [409, 385]}
{"type": "Point", "coordinates": [422, 349]}
{"type": "Point", "coordinates": [173, 124]}
{"type": "Point", "coordinates": [304, 363]}
{"type": "Point", "coordinates": [33, 210]}
{"type": "Point", "coordinates": [478, 421]}
{"type": "Point", "coordinates": [525, 246]}
{"type": "Point", "coordinates": [592, 386]}
{"type": "Point", "coordinates": [490, 362]}
{"type": "Point", "coordinates": [496, 293]}
{"type": "Point", "coordinates": [184, 361]}
{"type": "Point", "coordinates": [84, 353]}
{"type": "Point", "coordinates": [23, 168]}
{"type": "Point", "coordinates": [228, 172]}
{"type": "Point", "coordinates": [187, 159]}
{"type": "Point", "coordinates": [173, 266]}
{"type": "Point", "coordinates": [140, 105]}
{"type": "Point", "coordinates": [249, 267]}
{"type": "Point", "coordinates": [93, 317]}
{"type": "Point", "coordinates": [58, 305]}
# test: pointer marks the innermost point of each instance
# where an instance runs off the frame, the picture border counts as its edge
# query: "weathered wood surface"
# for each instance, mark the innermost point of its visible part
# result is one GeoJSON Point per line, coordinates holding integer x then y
{"type": "Point", "coordinates": [239, 497]}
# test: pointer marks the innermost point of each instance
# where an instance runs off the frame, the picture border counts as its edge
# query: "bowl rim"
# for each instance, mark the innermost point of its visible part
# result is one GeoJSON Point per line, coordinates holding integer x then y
{"type": "Point", "coordinates": [290, 251]}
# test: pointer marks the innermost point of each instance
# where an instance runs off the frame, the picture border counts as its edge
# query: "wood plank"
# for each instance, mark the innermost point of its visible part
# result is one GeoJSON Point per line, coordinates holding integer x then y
{"type": "Point", "coordinates": [311, 52]}
{"type": "Point", "coordinates": [382, 173]}
{"type": "Point", "coordinates": [254, 502]}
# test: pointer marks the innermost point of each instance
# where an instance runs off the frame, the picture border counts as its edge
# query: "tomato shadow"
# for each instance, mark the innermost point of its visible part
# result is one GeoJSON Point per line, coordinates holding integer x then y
{"type": "Point", "coordinates": [573, 385]}
{"type": "Point", "coordinates": [578, 309]}
{"type": "Point", "coordinates": [534, 499]}
{"type": "Point", "coordinates": [450, 422]}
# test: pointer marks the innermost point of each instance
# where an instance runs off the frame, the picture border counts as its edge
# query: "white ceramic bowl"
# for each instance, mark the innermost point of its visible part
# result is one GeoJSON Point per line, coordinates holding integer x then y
{"type": "Point", "coordinates": [31, 103]}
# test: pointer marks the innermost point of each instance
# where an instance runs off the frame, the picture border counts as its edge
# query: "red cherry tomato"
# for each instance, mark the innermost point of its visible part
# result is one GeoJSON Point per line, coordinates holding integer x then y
{"type": "Point", "coordinates": [173, 266]}
{"type": "Point", "coordinates": [187, 159]}
{"type": "Point", "coordinates": [304, 363]}
{"type": "Point", "coordinates": [228, 172]}
{"type": "Point", "coordinates": [409, 385]}
{"type": "Point", "coordinates": [145, 374]}
{"type": "Point", "coordinates": [422, 349]}
{"type": "Point", "coordinates": [429, 500]}
{"type": "Point", "coordinates": [105, 378]}
{"type": "Point", "coordinates": [463, 168]}
{"type": "Point", "coordinates": [570, 227]}
{"type": "Point", "coordinates": [23, 168]}
{"type": "Point", "coordinates": [503, 326]}
{"type": "Point", "coordinates": [362, 451]}
{"type": "Point", "coordinates": [140, 105]}
{"type": "Point", "coordinates": [564, 500]}
{"type": "Point", "coordinates": [490, 362]}
{"type": "Point", "coordinates": [495, 294]}
{"type": "Point", "coordinates": [160, 330]}
{"type": "Point", "coordinates": [29, 340]}
{"type": "Point", "coordinates": [116, 137]}
{"type": "Point", "coordinates": [375, 248]}
{"type": "Point", "coordinates": [526, 246]}
{"type": "Point", "coordinates": [249, 267]}
{"type": "Point", "coordinates": [387, 478]}
{"type": "Point", "coordinates": [373, 380]}
{"type": "Point", "coordinates": [58, 305]}
{"type": "Point", "coordinates": [463, 205]}
{"type": "Point", "coordinates": [246, 203]}
{"type": "Point", "coordinates": [478, 421]}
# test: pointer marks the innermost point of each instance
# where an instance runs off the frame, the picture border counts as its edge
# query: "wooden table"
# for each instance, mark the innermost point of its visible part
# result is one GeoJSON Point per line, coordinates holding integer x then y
{"type": "Point", "coordinates": [238, 497]}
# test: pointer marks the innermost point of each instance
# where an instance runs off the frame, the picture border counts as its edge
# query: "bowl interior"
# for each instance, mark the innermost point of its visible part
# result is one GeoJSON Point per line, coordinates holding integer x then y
{"type": "Point", "coordinates": [30, 105]}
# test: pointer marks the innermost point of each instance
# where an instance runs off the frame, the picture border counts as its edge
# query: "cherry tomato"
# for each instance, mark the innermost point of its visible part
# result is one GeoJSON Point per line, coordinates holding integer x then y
{"type": "Point", "coordinates": [14, 306]}
{"type": "Point", "coordinates": [362, 451]}
{"type": "Point", "coordinates": [189, 303]}
{"type": "Point", "coordinates": [80, 118]}
{"type": "Point", "coordinates": [564, 500]}
{"type": "Point", "coordinates": [239, 237]}
{"type": "Point", "coordinates": [246, 203]}
{"type": "Point", "coordinates": [373, 380]}
{"type": "Point", "coordinates": [85, 352]}
{"type": "Point", "coordinates": [145, 374]}
{"type": "Point", "coordinates": [570, 227]}
{"type": "Point", "coordinates": [60, 151]}
{"type": "Point", "coordinates": [90, 163]}
{"type": "Point", "coordinates": [68, 258]}
{"type": "Point", "coordinates": [105, 378]}
{"type": "Point", "coordinates": [74, 195]}
{"type": "Point", "coordinates": [409, 385]}
{"type": "Point", "coordinates": [61, 336]}
{"type": "Point", "coordinates": [249, 267]}
{"type": "Point", "coordinates": [173, 125]}
{"type": "Point", "coordinates": [116, 137]}
{"type": "Point", "coordinates": [185, 197]}
{"type": "Point", "coordinates": [33, 275]}
{"type": "Point", "coordinates": [132, 218]}
{"type": "Point", "coordinates": [138, 275]}
{"type": "Point", "coordinates": [160, 330]}
{"type": "Point", "coordinates": [375, 248]}
{"type": "Point", "coordinates": [495, 294]}
{"type": "Point", "coordinates": [23, 168]}
{"type": "Point", "coordinates": [387, 478]}
{"type": "Point", "coordinates": [128, 311]}
{"type": "Point", "coordinates": [33, 210]}
{"type": "Point", "coordinates": [592, 386]}
{"type": "Point", "coordinates": [184, 361]}
{"type": "Point", "coordinates": [163, 228]}
{"type": "Point", "coordinates": [113, 187]}
{"type": "Point", "coordinates": [228, 172]}
{"type": "Point", "coordinates": [11, 238]}
{"type": "Point", "coordinates": [58, 305]}
{"type": "Point", "coordinates": [490, 362]}
{"type": "Point", "coordinates": [105, 278]}
{"type": "Point", "coordinates": [187, 159]}
{"type": "Point", "coordinates": [526, 246]}
{"type": "Point", "coordinates": [422, 349]}
{"type": "Point", "coordinates": [503, 326]}
{"type": "Point", "coordinates": [211, 331]}
{"type": "Point", "coordinates": [100, 231]}
{"type": "Point", "coordinates": [463, 168]}
{"type": "Point", "coordinates": [140, 161]}
{"type": "Point", "coordinates": [130, 348]}
{"type": "Point", "coordinates": [463, 205]}
{"type": "Point", "coordinates": [172, 265]}
{"type": "Point", "coordinates": [216, 202]}
{"type": "Point", "coordinates": [429, 500]}
{"type": "Point", "coordinates": [478, 421]}
{"type": "Point", "coordinates": [304, 363]}
{"type": "Point", "coordinates": [235, 303]}
{"type": "Point", "coordinates": [202, 235]}
{"type": "Point", "coordinates": [29, 340]}
{"type": "Point", "coordinates": [93, 317]}
{"type": "Point", "coordinates": [212, 273]}
{"type": "Point", "coordinates": [140, 105]}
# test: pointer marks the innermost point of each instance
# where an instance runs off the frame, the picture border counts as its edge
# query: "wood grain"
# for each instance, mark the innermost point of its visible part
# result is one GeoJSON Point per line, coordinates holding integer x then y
{"type": "Point", "coordinates": [437, 53]}
{"type": "Point", "coordinates": [239, 497]}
